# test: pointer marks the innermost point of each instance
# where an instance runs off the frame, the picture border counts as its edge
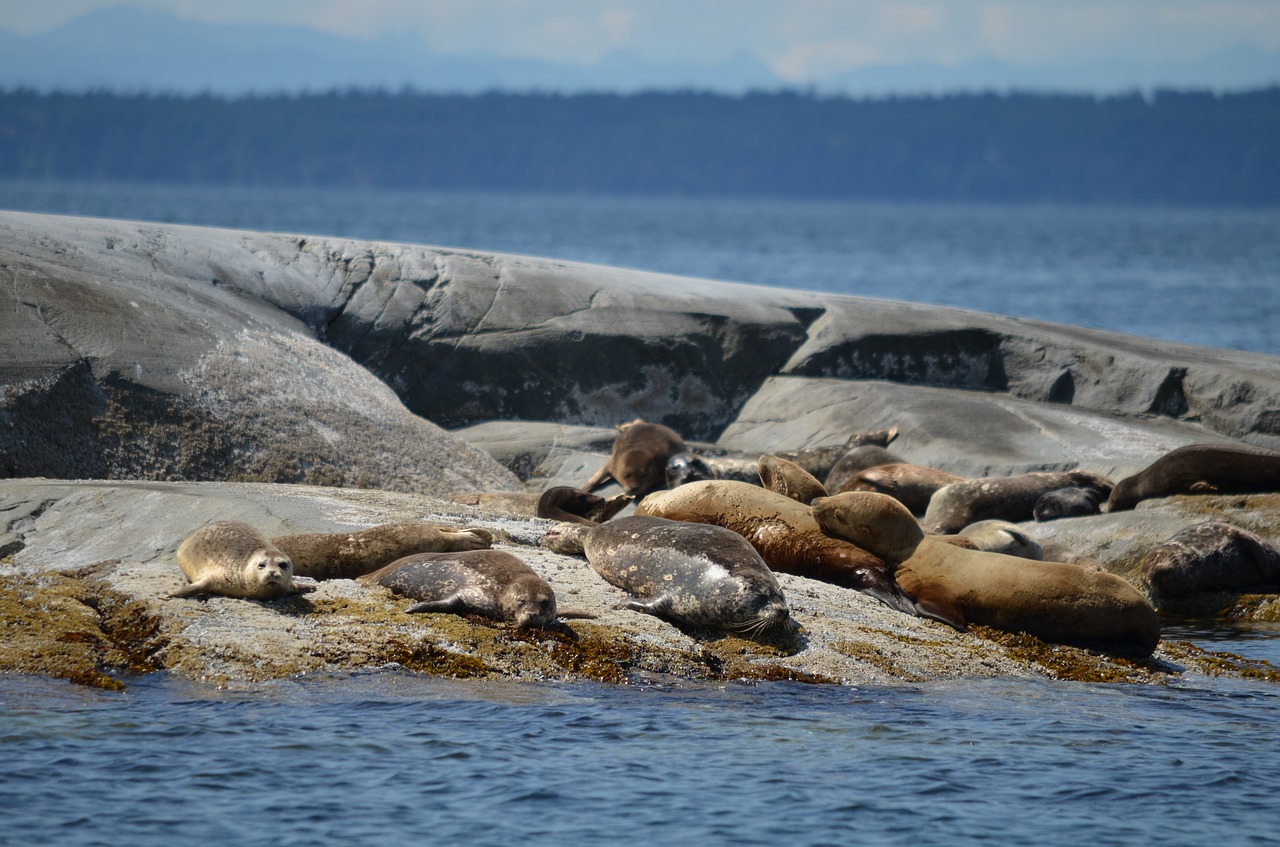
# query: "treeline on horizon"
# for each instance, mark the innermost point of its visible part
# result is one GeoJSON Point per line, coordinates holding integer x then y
{"type": "Point", "coordinates": [1171, 147]}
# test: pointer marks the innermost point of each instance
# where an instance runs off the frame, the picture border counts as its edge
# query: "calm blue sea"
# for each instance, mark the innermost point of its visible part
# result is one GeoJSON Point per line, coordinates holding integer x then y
{"type": "Point", "coordinates": [389, 758]}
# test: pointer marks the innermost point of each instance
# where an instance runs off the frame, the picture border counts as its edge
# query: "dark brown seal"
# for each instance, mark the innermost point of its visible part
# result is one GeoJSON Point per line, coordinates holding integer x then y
{"type": "Point", "coordinates": [856, 460]}
{"type": "Point", "coordinates": [347, 555]}
{"type": "Point", "coordinates": [232, 559]}
{"type": "Point", "coordinates": [490, 583]}
{"type": "Point", "coordinates": [696, 576]}
{"type": "Point", "coordinates": [1006, 498]}
{"type": "Point", "coordinates": [1211, 556]}
{"type": "Point", "coordinates": [911, 485]}
{"type": "Point", "coordinates": [783, 532]}
{"type": "Point", "coordinates": [1055, 601]}
{"type": "Point", "coordinates": [1200, 469]}
{"type": "Point", "coordinates": [573, 505]}
{"type": "Point", "coordinates": [639, 459]}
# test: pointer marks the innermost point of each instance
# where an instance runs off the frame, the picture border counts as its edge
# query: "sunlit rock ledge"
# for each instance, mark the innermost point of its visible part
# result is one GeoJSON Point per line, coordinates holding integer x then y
{"type": "Point", "coordinates": [306, 383]}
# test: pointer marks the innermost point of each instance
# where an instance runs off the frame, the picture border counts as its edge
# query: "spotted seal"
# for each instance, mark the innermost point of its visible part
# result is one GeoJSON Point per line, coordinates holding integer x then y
{"type": "Point", "coordinates": [1054, 601]}
{"type": "Point", "coordinates": [1200, 469]}
{"type": "Point", "coordinates": [1210, 556]}
{"type": "Point", "coordinates": [783, 532]}
{"type": "Point", "coordinates": [491, 583]}
{"type": "Point", "coordinates": [347, 555]}
{"type": "Point", "coordinates": [697, 576]}
{"type": "Point", "coordinates": [1006, 498]}
{"type": "Point", "coordinates": [233, 559]}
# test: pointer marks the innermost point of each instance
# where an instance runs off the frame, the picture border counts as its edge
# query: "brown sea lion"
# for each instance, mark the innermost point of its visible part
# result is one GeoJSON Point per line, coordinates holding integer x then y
{"type": "Point", "coordinates": [1054, 601]}
{"type": "Point", "coordinates": [566, 503]}
{"type": "Point", "coordinates": [1006, 498]}
{"type": "Point", "coordinates": [347, 555]}
{"type": "Point", "coordinates": [783, 532]}
{"type": "Point", "coordinates": [639, 459]}
{"type": "Point", "coordinates": [1200, 469]}
{"type": "Point", "coordinates": [856, 460]}
{"type": "Point", "coordinates": [911, 485]}
{"type": "Point", "coordinates": [1211, 556]}
{"type": "Point", "coordinates": [697, 576]}
{"type": "Point", "coordinates": [788, 478]}
{"type": "Point", "coordinates": [490, 583]}
{"type": "Point", "coordinates": [232, 559]}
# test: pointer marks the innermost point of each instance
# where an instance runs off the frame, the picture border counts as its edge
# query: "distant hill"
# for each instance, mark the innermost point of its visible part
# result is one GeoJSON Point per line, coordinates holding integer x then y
{"type": "Point", "coordinates": [135, 50]}
{"type": "Point", "coordinates": [1170, 148]}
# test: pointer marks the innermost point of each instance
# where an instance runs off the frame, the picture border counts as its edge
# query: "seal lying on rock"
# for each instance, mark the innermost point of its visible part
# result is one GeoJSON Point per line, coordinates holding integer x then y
{"type": "Point", "coordinates": [1068, 503]}
{"type": "Point", "coordinates": [1055, 601]}
{"type": "Point", "coordinates": [1200, 469]}
{"type": "Point", "coordinates": [783, 532]}
{"type": "Point", "coordinates": [566, 503]}
{"type": "Point", "coordinates": [1001, 537]}
{"type": "Point", "coordinates": [1006, 498]}
{"type": "Point", "coordinates": [911, 485]}
{"type": "Point", "coordinates": [855, 461]}
{"type": "Point", "coordinates": [1211, 556]}
{"type": "Point", "coordinates": [639, 459]}
{"type": "Point", "coordinates": [491, 583]}
{"type": "Point", "coordinates": [347, 555]}
{"type": "Point", "coordinates": [692, 575]}
{"type": "Point", "coordinates": [233, 559]}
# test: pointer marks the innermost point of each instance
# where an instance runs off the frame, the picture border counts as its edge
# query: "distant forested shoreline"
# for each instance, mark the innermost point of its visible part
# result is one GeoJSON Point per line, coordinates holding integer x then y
{"type": "Point", "coordinates": [1172, 147]}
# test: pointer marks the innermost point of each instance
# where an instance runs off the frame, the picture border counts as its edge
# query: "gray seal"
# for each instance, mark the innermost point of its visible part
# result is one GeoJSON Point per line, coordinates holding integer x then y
{"type": "Point", "coordinates": [694, 576]}
{"type": "Point", "coordinates": [490, 583]}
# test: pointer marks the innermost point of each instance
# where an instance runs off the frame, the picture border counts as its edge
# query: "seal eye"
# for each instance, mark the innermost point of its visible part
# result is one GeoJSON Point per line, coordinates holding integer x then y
{"type": "Point", "coordinates": [262, 566]}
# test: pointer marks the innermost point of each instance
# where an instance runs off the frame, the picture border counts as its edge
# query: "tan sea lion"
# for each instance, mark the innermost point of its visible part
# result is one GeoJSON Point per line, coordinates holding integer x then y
{"type": "Point", "coordinates": [854, 461]}
{"type": "Point", "coordinates": [696, 576]}
{"type": "Point", "coordinates": [233, 559]}
{"type": "Point", "coordinates": [911, 485]}
{"type": "Point", "coordinates": [1211, 556]}
{"type": "Point", "coordinates": [347, 555]}
{"type": "Point", "coordinates": [1006, 498]}
{"type": "Point", "coordinates": [490, 583]}
{"type": "Point", "coordinates": [639, 459]}
{"type": "Point", "coordinates": [1200, 469]}
{"type": "Point", "coordinates": [566, 503]}
{"type": "Point", "coordinates": [1054, 601]}
{"type": "Point", "coordinates": [783, 532]}
{"type": "Point", "coordinates": [788, 478]}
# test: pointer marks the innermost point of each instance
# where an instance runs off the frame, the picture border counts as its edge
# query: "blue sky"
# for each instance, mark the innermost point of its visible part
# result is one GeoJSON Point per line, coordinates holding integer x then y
{"type": "Point", "coordinates": [800, 40]}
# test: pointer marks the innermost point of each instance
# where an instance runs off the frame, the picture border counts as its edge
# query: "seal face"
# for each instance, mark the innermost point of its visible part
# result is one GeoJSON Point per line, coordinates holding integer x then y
{"type": "Point", "coordinates": [1200, 469]}
{"type": "Point", "coordinates": [693, 575]}
{"type": "Point", "coordinates": [1006, 498]}
{"type": "Point", "coordinates": [1054, 601]}
{"type": "Point", "coordinates": [490, 583]}
{"type": "Point", "coordinates": [1211, 556]}
{"type": "Point", "coordinates": [233, 559]}
{"type": "Point", "coordinates": [639, 459]}
{"type": "Point", "coordinates": [783, 532]}
{"type": "Point", "coordinates": [347, 555]}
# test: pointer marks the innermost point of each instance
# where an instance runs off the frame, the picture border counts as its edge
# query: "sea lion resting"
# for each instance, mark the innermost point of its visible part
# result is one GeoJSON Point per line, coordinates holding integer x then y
{"type": "Point", "coordinates": [1055, 601]}
{"type": "Point", "coordinates": [1200, 469]}
{"type": "Point", "coordinates": [783, 532]}
{"type": "Point", "coordinates": [693, 575]}
{"type": "Point", "coordinates": [347, 555]}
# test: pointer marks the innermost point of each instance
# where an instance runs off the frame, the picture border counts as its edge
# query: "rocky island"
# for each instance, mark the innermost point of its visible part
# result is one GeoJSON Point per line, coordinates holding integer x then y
{"type": "Point", "coordinates": [154, 378]}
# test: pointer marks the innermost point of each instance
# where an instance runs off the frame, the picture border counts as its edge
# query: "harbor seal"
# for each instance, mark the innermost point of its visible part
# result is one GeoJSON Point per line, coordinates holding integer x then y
{"type": "Point", "coordinates": [783, 532]}
{"type": "Point", "coordinates": [1210, 556]}
{"type": "Point", "coordinates": [639, 459]}
{"type": "Point", "coordinates": [347, 555]}
{"type": "Point", "coordinates": [695, 576]}
{"type": "Point", "coordinates": [911, 485]}
{"type": "Point", "coordinates": [490, 583]}
{"type": "Point", "coordinates": [232, 559]}
{"type": "Point", "coordinates": [1006, 498]}
{"type": "Point", "coordinates": [1200, 469]}
{"type": "Point", "coordinates": [573, 505]}
{"type": "Point", "coordinates": [1054, 601]}
{"type": "Point", "coordinates": [1001, 537]}
{"type": "Point", "coordinates": [687, 467]}
{"type": "Point", "coordinates": [1068, 503]}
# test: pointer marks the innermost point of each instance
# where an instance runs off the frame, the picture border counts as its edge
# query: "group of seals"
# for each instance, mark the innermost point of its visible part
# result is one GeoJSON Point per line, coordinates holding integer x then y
{"type": "Point", "coordinates": [1055, 601]}
{"type": "Point", "coordinates": [1009, 498]}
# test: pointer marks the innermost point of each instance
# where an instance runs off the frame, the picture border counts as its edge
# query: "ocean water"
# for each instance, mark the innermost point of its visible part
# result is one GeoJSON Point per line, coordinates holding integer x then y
{"type": "Point", "coordinates": [391, 758]}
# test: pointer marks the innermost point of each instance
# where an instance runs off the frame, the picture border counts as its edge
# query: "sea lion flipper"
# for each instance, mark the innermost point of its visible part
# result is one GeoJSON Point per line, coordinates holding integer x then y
{"type": "Point", "coordinates": [941, 610]}
{"type": "Point", "coordinates": [597, 479]}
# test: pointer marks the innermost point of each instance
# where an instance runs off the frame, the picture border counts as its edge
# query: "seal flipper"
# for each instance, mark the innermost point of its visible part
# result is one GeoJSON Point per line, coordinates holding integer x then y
{"type": "Point", "coordinates": [454, 604]}
{"type": "Point", "coordinates": [937, 609]}
{"type": "Point", "coordinates": [200, 586]}
{"type": "Point", "coordinates": [658, 607]}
